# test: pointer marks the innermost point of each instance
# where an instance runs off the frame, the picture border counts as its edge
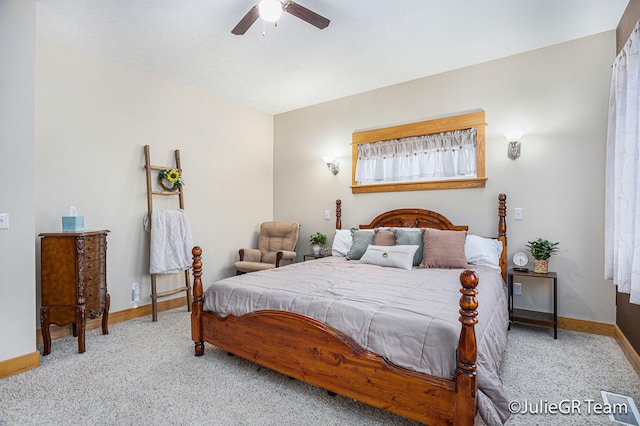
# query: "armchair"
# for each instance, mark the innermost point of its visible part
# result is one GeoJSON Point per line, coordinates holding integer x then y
{"type": "Point", "coordinates": [276, 247]}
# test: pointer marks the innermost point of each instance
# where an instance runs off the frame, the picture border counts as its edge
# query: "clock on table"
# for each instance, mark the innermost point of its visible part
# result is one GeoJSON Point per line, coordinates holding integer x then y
{"type": "Point", "coordinates": [521, 260]}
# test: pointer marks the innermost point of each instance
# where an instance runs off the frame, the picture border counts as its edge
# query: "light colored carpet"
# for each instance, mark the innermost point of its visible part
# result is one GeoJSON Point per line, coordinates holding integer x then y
{"type": "Point", "coordinates": [576, 366]}
{"type": "Point", "coordinates": [145, 373]}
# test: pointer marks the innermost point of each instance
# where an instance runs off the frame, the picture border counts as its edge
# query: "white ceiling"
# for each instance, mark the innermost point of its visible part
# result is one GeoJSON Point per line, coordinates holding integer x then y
{"type": "Point", "coordinates": [369, 43]}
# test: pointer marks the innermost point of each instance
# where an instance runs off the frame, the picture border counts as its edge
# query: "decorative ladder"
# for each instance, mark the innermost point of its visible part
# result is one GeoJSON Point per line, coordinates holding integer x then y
{"type": "Point", "coordinates": [150, 193]}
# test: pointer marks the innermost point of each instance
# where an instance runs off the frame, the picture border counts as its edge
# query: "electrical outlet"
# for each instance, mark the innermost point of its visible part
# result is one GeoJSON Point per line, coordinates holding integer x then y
{"type": "Point", "coordinates": [4, 220]}
{"type": "Point", "coordinates": [327, 214]}
{"type": "Point", "coordinates": [135, 292]}
{"type": "Point", "coordinates": [517, 289]}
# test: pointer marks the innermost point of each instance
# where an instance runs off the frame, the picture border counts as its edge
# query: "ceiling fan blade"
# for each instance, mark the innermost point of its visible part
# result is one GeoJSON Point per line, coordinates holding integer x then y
{"type": "Point", "coordinates": [305, 14]}
{"type": "Point", "coordinates": [246, 21]}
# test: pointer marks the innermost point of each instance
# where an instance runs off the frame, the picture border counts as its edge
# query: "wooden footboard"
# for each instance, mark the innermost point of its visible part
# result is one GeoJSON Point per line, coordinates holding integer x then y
{"type": "Point", "coordinates": [311, 351]}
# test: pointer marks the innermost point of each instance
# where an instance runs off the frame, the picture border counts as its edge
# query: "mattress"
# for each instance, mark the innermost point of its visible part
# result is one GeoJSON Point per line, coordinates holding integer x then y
{"type": "Point", "coordinates": [408, 317]}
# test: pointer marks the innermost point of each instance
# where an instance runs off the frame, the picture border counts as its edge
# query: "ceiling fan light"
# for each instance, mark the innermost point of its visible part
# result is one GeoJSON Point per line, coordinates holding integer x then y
{"type": "Point", "coordinates": [270, 10]}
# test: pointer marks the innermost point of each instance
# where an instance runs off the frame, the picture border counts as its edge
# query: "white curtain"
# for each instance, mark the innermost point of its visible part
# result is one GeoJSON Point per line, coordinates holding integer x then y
{"type": "Point", "coordinates": [443, 155]}
{"type": "Point", "coordinates": [622, 202]}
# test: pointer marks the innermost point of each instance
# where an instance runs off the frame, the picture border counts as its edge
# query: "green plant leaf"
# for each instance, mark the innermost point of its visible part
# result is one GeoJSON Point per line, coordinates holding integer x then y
{"type": "Point", "coordinates": [542, 249]}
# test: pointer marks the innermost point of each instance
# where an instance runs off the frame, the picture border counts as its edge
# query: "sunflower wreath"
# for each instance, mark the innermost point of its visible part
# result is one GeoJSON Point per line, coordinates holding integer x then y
{"type": "Point", "coordinates": [173, 177]}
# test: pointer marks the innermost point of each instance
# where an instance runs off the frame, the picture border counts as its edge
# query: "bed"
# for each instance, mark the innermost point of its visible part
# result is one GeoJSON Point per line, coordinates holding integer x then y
{"type": "Point", "coordinates": [249, 316]}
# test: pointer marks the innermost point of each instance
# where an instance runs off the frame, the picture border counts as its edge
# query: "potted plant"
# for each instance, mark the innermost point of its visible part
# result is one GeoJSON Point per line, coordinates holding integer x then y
{"type": "Point", "coordinates": [317, 240]}
{"type": "Point", "coordinates": [541, 250]}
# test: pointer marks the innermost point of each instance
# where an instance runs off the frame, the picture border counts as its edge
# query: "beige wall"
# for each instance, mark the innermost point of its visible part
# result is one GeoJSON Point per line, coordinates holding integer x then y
{"type": "Point", "coordinates": [558, 96]}
{"type": "Point", "coordinates": [17, 158]}
{"type": "Point", "coordinates": [93, 118]}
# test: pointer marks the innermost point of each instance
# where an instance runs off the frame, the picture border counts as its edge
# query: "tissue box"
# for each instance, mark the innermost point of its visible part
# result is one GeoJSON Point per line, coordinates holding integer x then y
{"type": "Point", "coordinates": [72, 223]}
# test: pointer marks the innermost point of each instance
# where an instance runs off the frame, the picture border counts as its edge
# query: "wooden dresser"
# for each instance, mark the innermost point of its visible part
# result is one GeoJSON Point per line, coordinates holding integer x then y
{"type": "Point", "coordinates": [73, 280]}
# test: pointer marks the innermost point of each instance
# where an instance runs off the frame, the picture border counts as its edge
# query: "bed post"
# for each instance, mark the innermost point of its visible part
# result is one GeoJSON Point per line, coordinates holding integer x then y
{"type": "Point", "coordinates": [502, 213]}
{"type": "Point", "coordinates": [196, 311]}
{"type": "Point", "coordinates": [502, 233]}
{"type": "Point", "coordinates": [338, 214]}
{"type": "Point", "coordinates": [464, 407]}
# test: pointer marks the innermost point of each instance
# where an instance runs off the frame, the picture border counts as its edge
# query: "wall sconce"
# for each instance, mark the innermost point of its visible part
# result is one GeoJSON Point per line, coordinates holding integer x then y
{"type": "Point", "coordinates": [332, 164]}
{"type": "Point", "coordinates": [513, 151]}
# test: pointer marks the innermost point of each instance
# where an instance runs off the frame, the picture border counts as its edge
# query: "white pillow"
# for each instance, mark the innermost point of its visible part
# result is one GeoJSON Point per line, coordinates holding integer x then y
{"type": "Point", "coordinates": [391, 256]}
{"type": "Point", "coordinates": [341, 243]}
{"type": "Point", "coordinates": [483, 251]}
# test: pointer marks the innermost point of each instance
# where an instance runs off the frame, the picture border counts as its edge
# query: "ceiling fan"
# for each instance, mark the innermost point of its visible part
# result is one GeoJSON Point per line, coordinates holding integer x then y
{"type": "Point", "coordinates": [271, 10]}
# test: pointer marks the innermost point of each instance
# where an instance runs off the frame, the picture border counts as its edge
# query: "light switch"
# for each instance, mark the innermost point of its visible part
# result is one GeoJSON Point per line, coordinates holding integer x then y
{"type": "Point", "coordinates": [517, 213]}
{"type": "Point", "coordinates": [327, 214]}
{"type": "Point", "coordinates": [4, 220]}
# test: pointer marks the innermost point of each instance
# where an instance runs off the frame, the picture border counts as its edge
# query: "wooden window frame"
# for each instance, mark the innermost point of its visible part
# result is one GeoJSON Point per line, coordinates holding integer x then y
{"type": "Point", "coordinates": [429, 127]}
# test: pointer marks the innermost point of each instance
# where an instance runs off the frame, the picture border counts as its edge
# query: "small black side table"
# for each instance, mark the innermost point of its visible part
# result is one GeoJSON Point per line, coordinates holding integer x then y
{"type": "Point", "coordinates": [546, 319]}
{"type": "Point", "coordinates": [313, 256]}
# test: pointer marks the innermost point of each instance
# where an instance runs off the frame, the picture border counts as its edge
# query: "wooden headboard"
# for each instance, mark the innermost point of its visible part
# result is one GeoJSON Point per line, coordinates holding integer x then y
{"type": "Point", "coordinates": [413, 218]}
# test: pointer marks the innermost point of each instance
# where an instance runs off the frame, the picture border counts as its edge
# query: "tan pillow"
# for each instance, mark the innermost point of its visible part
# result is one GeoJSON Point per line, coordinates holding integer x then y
{"type": "Point", "coordinates": [384, 238]}
{"type": "Point", "coordinates": [443, 249]}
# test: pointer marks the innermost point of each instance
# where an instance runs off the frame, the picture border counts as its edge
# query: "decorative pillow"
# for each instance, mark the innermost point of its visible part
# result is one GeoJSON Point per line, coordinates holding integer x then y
{"type": "Point", "coordinates": [361, 239]}
{"type": "Point", "coordinates": [384, 237]}
{"type": "Point", "coordinates": [411, 236]}
{"type": "Point", "coordinates": [443, 249]}
{"type": "Point", "coordinates": [483, 251]}
{"type": "Point", "coordinates": [341, 243]}
{"type": "Point", "coordinates": [390, 256]}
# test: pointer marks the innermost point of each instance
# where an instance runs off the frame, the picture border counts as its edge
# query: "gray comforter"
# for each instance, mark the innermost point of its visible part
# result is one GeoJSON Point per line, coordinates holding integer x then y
{"type": "Point", "coordinates": [408, 317]}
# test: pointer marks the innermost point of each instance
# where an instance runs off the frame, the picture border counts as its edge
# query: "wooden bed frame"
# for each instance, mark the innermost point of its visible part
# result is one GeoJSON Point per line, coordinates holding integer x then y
{"type": "Point", "coordinates": [309, 350]}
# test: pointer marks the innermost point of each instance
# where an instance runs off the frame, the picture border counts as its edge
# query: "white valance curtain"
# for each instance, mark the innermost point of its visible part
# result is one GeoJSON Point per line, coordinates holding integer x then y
{"type": "Point", "coordinates": [622, 202]}
{"type": "Point", "coordinates": [442, 155]}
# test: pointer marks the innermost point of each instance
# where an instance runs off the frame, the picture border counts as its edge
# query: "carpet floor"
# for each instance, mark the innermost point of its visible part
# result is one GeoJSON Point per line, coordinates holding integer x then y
{"type": "Point", "coordinates": [145, 373]}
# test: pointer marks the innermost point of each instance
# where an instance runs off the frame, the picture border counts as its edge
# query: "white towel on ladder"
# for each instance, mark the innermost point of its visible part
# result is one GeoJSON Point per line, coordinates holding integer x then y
{"type": "Point", "coordinates": [171, 241]}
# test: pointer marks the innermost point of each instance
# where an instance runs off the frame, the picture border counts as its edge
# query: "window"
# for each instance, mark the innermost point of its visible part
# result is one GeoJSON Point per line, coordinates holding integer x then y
{"type": "Point", "coordinates": [444, 153]}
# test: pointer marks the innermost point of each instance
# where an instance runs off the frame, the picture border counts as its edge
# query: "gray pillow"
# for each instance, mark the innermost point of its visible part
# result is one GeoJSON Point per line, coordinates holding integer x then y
{"type": "Point", "coordinates": [360, 242]}
{"type": "Point", "coordinates": [410, 238]}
